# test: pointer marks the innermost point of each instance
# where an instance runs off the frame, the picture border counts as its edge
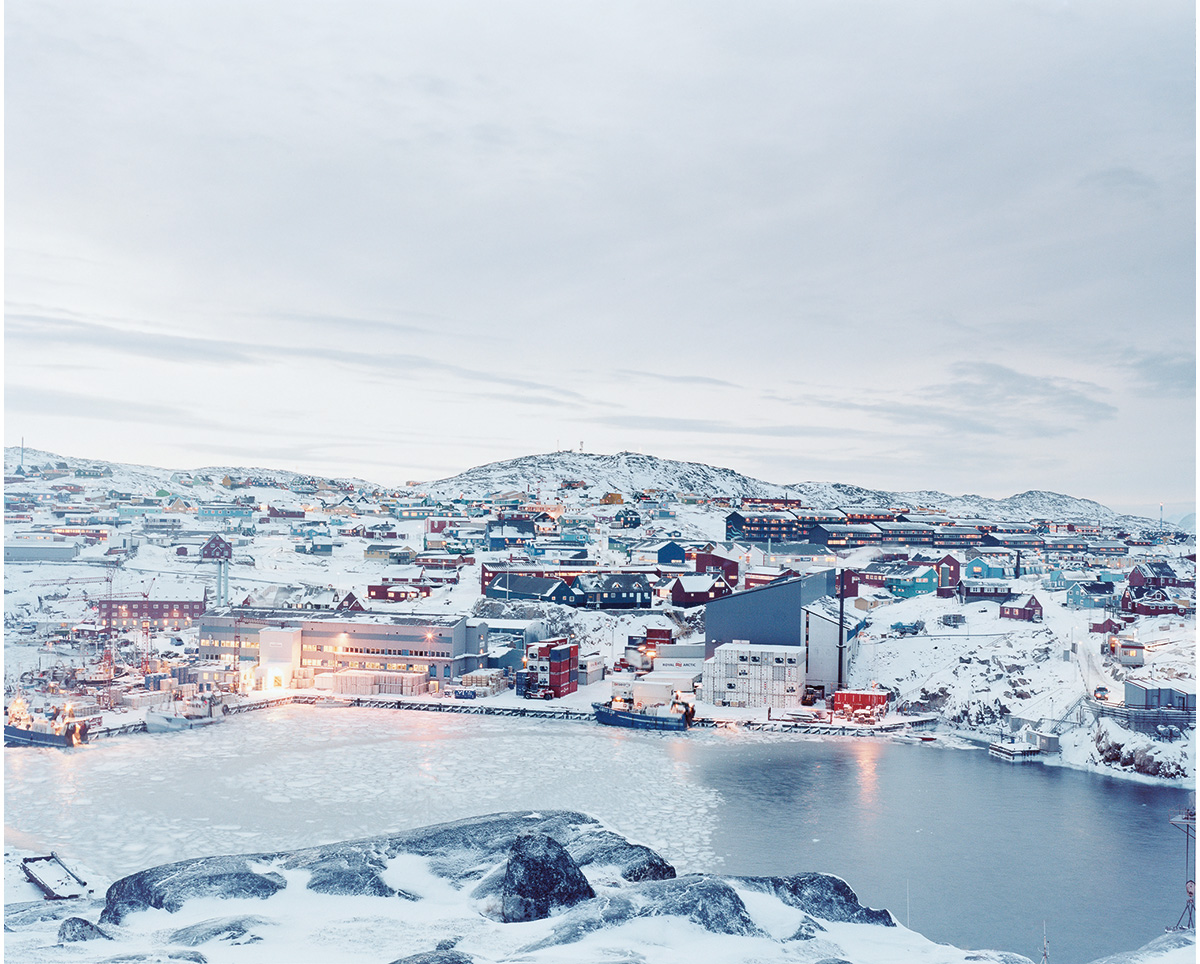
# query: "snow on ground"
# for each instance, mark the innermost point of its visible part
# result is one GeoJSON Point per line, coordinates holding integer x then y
{"type": "Point", "coordinates": [992, 674]}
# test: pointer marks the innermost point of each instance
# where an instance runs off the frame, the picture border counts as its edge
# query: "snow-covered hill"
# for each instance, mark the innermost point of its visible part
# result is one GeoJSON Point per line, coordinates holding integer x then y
{"type": "Point", "coordinates": [625, 472]}
{"type": "Point", "coordinates": [628, 472]}
{"type": "Point", "coordinates": [146, 479]}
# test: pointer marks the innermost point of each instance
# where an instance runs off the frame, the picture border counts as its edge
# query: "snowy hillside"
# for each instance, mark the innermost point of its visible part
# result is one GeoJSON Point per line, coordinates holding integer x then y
{"type": "Point", "coordinates": [146, 479]}
{"type": "Point", "coordinates": [624, 472]}
{"type": "Point", "coordinates": [628, 472]}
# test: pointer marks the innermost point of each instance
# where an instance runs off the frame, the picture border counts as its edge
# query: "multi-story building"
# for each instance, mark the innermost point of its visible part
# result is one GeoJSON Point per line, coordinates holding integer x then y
{"type": "Point", "coordinates": [173, 610]}
{"type": "Point", "coordinates": [444, 646]}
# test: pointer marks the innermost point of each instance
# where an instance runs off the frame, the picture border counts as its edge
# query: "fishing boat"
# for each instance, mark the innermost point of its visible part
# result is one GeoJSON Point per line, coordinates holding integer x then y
{"type": "Point", "coordinates": [61, 730]}
{"type": "Point", "coordinates": [196, 712]}
{"type": "Point", "coordinates": [660, 716]}
{"type": "Point", "coordinates": [54, 878]}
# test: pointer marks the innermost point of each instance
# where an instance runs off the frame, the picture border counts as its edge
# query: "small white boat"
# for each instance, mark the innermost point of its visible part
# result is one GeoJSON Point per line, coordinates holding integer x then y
{"type": "Point", "coordinates": [200, 711]}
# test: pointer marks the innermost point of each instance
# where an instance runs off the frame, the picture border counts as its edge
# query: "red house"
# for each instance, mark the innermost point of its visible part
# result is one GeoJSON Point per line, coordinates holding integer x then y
{"type": "Point", "coordinates": [708, 562]}
{"type": "Point", "coordinates": [153, 613]}
{"type": "Point", "coordinates": [398, 592]}
{"type": "Point", "coordinates": [1156, 573]}
{"type": "Point", "coordinates": [1149, 601]}
{"type": "Point", "coordinates": [1026, 608]}
{"type": "Point", "coordinates": [686, 591]}
{"type": "Point", "coordinates": [949, 572]}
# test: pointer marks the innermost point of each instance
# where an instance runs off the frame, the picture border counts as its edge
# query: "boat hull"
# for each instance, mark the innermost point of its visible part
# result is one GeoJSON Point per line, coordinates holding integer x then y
{"type": "Point", "coordinates": [169, 723]}
{"type": "Point", "coordinates": [17, 736]}
{"type": "Point", "coordinates": [637, 721]}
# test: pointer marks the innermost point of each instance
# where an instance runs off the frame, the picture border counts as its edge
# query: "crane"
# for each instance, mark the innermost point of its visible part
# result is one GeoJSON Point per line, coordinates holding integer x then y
{"type": "Point", "coordinates": [144, 635]}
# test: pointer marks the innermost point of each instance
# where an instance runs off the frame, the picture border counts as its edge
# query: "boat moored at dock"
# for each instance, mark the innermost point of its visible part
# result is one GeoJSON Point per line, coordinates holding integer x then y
{"type": "Point", "coordinates": [196, 712]}
{"type": "Point", "coordinates": [661, 716]}
{"type": "Point", "coordinates": [61, 730]}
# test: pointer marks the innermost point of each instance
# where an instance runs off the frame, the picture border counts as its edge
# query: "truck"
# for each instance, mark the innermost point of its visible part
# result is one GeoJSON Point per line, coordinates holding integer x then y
{"type": "Point", "coordinates": [909, 629]}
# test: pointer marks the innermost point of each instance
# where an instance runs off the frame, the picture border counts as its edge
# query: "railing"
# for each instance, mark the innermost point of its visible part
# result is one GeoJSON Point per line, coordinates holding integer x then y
{"type": "Point", "coordinates": [535, 712]}
{"type": "Point", "coordinates": [1144, 720]}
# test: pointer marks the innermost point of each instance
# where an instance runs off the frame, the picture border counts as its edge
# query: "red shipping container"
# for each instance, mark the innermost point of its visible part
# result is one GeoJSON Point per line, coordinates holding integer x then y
{"type": "Point", "coordinates": [858, 699]}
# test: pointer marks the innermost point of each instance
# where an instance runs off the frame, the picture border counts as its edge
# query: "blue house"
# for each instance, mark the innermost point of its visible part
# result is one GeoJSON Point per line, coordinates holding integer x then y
{"type": "Point", "coordinates": [984, 568]}
{"type": "Point", "coordinates": [224, 510]}
{"type": "Point", "coordinates": [667, 553]}
{"type": "Point", "coordinates": [1092, 595]}
{"type": "Point", "coordinates": [507, 533]}
{"type": "Point", "coordinates": [508, 585]}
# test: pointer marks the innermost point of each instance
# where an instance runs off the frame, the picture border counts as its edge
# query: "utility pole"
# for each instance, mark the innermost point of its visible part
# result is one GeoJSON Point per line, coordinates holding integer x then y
{"type": "Point", "coordinates": [841, 579]}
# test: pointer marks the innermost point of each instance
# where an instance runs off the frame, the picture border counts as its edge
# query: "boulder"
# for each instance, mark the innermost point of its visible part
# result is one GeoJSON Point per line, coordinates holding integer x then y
{"type": "Point", "coordinates": [169, 886]}
{"type": "Point", "coordinates": [235, 930]}
{"type": "Point", "coordinates": [78, 929]}
{"type": "Point", "coordinates": [818, 895]}
{"type": "Point", "coordinates": [708, 901]}
{"type": "Point", "coordinates": [540, 877]}
{"type": "Point", "coordinates": [440, 956]}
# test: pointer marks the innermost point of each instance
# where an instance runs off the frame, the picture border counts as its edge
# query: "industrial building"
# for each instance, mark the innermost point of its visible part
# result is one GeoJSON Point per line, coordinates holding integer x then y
{"type": "Point", "coordinates": [442, 646]}
{"type": "Point", "coordinates": [801, 612]}
{"type": "Point", "coordinates": [741, 674]}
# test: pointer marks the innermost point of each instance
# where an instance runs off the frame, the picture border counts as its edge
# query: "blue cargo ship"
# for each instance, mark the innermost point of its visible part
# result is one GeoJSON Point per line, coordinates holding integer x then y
{"type": "Point", "coordinates": [677, 716]}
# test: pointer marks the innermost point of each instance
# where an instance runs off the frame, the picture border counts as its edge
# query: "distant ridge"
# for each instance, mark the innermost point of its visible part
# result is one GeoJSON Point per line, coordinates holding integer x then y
{"type": "Point", "coordinates": [630, 472]}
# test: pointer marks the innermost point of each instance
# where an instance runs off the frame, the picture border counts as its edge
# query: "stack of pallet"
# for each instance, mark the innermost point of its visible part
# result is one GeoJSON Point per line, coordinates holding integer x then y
{"type": "Point", "coordinates": [356, 682]}
{"type": "Point", "coordinates": [485, 682]}
{"type": "Point", "coordinates": [139, 701]}
{"type": "Point", "coordinates": [403, 684]}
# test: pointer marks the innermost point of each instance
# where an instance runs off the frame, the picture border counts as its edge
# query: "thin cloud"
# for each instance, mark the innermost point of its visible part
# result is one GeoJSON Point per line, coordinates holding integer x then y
{"type": "Point", "coordinates": [49, 401]}
{"type": "Point", "coordinates": [39, 331]}
{"type": "Point", "coordinates": [677, 379]}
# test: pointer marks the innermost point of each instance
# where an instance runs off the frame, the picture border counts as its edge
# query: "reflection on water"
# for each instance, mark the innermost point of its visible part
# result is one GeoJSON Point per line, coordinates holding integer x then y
{"type": "Point", "coordinates": [984, 851]}
{"type": "Point", "coordinates": [980, 850]}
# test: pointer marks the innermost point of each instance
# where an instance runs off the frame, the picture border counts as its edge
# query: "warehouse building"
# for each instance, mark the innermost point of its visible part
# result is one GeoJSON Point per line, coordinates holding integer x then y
{"type": "Point", "coordinates": [741, 674]}
{"type": "Point", "coordinates": [443, 647]}
{"type": "Point", "coordinates": [801, 612]}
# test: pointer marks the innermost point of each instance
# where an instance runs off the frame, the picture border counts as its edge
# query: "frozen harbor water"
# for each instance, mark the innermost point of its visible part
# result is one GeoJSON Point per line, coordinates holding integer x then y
{"type": "Point", "coordinates": [988, 851]}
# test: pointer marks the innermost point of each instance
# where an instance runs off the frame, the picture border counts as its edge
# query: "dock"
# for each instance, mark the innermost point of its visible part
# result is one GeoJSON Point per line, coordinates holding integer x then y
{"type": "Point", "coordinates": [1013, 752]}
{"type": "Point", "coordinates": [537, 710]}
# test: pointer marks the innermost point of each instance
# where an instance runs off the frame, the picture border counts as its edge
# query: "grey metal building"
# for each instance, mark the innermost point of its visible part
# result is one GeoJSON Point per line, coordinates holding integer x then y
{"type": "Point", "coordinates": [789, 612]}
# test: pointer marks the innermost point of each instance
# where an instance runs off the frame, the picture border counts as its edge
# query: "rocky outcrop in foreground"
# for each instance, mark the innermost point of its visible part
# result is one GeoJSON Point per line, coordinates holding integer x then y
{"type": "Point", "coordinates": [528, 886]}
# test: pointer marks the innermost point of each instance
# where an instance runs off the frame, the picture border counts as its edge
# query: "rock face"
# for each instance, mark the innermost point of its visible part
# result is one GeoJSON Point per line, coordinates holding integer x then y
{"type": "Point", "coordinates": [78, 929]}
{"type": "Point", "coordinates": [437, 957]}
{"type": "Point", "coordinates": [462, 851]}
{"type": "Point", "coordinates": [167, 887]}
{"type": "Point", "coordinates": [705, 900]}
{"type": "Point", "coordinates": [819, 895]}
{"type": "Point", "coordinates": [235, 930]}
{"type": "Point", "coordinates": [557, 866]}
{"type": "Point", "coordinates": [540, 877]}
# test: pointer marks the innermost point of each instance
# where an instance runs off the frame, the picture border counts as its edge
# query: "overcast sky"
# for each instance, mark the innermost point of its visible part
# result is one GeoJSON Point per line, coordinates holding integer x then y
{"type": "Point", "coordinates": [935, 245]}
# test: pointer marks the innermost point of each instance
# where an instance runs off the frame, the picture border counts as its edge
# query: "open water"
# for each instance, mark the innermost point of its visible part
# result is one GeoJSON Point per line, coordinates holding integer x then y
{"type": "Point", "coordinates": [968, 849]}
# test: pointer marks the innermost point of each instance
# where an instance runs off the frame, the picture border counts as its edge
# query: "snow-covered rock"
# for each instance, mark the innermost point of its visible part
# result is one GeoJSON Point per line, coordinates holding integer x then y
{"type": "Point", "coordinates": [414, 898]}
{"type": "Point", "coordinates": [540, 877]}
